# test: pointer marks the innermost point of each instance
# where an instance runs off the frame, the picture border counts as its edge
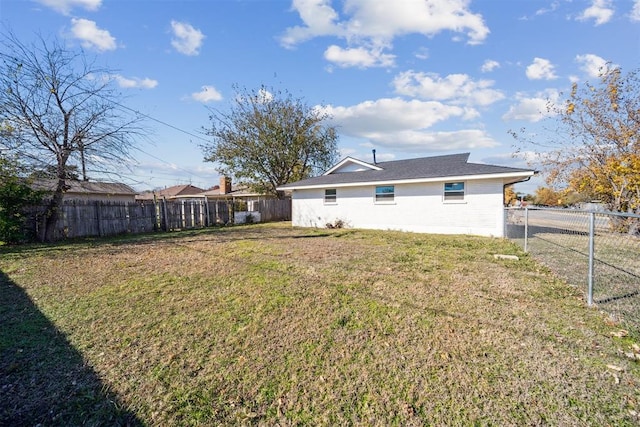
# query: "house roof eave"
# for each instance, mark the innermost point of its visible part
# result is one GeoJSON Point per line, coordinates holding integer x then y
{"type": "Point", "coordinates": [516, 176]}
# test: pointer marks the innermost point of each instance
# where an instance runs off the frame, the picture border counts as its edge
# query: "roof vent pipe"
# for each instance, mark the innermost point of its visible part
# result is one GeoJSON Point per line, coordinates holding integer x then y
{"type": "Point", "coordinates": [374, 156]}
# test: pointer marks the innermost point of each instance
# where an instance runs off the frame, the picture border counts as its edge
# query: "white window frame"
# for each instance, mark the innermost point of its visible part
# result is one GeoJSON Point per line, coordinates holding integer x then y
{"type": "Point", "coordinates": [454, 195]}
{"type": "Point", "coordinates": [384, 198]}
{"type": "Point", "coordinates": [330, 199]}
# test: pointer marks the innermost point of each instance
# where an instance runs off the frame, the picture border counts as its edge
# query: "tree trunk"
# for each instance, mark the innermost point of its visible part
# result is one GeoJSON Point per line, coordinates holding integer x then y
{"type": "Point", "coordinates": [52, 214]}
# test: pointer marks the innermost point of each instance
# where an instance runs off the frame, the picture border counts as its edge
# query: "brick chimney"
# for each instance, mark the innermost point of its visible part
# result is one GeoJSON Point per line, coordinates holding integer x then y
{"type": "Point", "coordinates": [225, 185]}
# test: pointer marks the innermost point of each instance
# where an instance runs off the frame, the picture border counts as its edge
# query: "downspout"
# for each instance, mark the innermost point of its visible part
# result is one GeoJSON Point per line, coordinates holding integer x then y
{"type": "Point", "coordinates": [504, 186]}
{"type": "Point", "coordinates": [504, 210]}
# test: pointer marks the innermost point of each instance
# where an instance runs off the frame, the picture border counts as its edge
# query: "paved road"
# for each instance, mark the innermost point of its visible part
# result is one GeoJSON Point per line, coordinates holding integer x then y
{"type": "Point", "coordinates": [562, 220]}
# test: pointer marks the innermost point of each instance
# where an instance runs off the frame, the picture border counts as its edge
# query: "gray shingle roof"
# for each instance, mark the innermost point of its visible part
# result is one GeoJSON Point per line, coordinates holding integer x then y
{"type": "Point", "coordinates": [85, 187]}
{"type": "Point", "coordinates": [179, 190]}
{"type": "Point", "coordinates": [420, 168]}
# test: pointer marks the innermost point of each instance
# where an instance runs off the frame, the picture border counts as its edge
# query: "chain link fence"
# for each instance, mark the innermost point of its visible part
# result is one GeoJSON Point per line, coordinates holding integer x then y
{"type": "Point", "coordinates": [597, 251]}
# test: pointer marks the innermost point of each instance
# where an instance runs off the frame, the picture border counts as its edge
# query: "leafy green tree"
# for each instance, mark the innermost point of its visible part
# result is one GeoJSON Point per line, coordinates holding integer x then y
{"type": "Point", "coordinates": [594, 150]}
{"type": "Point", "coordinates": [269, 138]}
{"type": "Point", "coordinates": [15, 196]}
{"type": "Point", "coordinates": [59, 109]}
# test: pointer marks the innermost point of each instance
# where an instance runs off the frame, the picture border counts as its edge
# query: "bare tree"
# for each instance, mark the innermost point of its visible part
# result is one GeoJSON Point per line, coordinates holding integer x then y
{"type": "Point", "coordinates": [58, 110]}
{"type": "Point", "coordinates": [270, 138]}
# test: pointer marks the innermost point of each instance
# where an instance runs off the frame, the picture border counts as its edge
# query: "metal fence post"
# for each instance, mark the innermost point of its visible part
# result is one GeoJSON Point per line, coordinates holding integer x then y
{"type": "Point", "coordinates": [526, 228]}
{"type": "Point", "coordinates": [592, 227]}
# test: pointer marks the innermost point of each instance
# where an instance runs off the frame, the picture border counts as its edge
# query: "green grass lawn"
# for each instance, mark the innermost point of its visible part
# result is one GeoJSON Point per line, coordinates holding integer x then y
{"type": "Point", "coordinates": [268, 324]}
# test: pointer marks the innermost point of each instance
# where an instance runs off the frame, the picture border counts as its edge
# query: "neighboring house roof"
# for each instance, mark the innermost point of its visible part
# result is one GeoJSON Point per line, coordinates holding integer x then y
{"type": "Point", "coordinates": [176, 191]}
{"type": "Point", "coordinates": [86, 187]}
{"type": "Point", "coordinates": [191, 192]}
{"type": "Point", "coordinates": [424, 169]}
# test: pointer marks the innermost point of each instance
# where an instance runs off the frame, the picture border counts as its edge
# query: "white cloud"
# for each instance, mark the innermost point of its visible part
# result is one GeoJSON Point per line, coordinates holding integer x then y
{"type": "Point", "coordinates": [513, 159]}
{"type": "Point", "coordinates": [528, 109]}
{"type": "Point", "coordinates": [600, 11]}
{"type": "Point", "coordinates": [552, 8]}
{"type": "Point", "coordinates": [423, 53]}
{"type": "Point", "coordinates": [65, 6]}
{"type": "Point", "coordinates": [418, 140]}
{"type": "Point", "coordinates": [591, 64]}
{"type": "Point", "coordinates": [541, 69]}
{"type": "Point", "coordinates": [91, 36]}
{"type": "Point", "coordinates": [530, 157]}
{"type": "Point", "coordinates": [319, 18]}
{"type": "Point", "coordinates": [347, 152]}
{"type": "Point", "coordinates": [206, 94]}
{"type": "Point", "coordinates": [264, 96]}
{"type": "Point", "coordinates": [134, 82]}
{"type": "Point", "coordinates": [377, 23]}
{"type": "Point", "coordinates": [186, 39]}
{"type": "Point", "coordinates": [390, 19]}
{"type": "Point", "coordinates": [402, 124]}
{"type": "Point", "coordinates": [635, 12]}
{"type": "Point", "coordinates": [489, 65]}
{"type": "Point", "coordinates": [392, 114]}
{"type": "Point", "coordinates": [358, 57]}
{"type": "Point", "coordinates": [533, 109]}
{"type": "Point", "coordinates": [458, 88]}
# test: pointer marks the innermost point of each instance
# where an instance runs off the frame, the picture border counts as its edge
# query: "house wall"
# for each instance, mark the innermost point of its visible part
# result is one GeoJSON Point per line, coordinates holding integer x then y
{"type": "Point", "coordinates": [416, 207]}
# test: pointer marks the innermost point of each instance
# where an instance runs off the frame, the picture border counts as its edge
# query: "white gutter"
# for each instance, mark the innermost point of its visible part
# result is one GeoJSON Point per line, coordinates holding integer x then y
{"type": "Point", "coordinates": [517, 175]}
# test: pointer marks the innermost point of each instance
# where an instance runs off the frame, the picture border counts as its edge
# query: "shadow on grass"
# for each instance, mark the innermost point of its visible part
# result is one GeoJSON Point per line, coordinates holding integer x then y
{"type": "Point", "coordinates": [43, 379]}
{"type": "Point", "coordinates": [516, 231]}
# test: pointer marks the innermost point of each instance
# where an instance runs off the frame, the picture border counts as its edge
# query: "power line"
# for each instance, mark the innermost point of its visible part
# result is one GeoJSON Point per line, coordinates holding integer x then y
{"type": "Point", "coordinates": [170, 126]}
{"type": "Point", "coordinates": [168, 163]}
{"type": "Point", "coordinates": [162, 122]}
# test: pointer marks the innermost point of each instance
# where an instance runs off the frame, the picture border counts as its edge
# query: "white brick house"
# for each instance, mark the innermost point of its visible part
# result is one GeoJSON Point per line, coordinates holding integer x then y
{"type": "Point", "coordinates": [443, 194]}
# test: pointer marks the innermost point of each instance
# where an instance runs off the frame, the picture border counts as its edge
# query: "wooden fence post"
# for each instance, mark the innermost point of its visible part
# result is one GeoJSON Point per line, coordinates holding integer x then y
{"type": "Point", "coordinates": [207, 222]}
{"type": "Point", "coordinates": [128, 209]}
{"type": "Point", "coordinates": [165, 220]}
{"type": "Point", "coordinates": [99, 217]}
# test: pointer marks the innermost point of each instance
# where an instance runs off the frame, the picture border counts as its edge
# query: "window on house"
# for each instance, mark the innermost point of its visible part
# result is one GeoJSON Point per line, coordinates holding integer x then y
{"type": "Point", "coordinates": [330, 195]}
{"type": "Point", "coordinates": [454, 191]}
{"type": "Point", "coordinates": [385, 193]}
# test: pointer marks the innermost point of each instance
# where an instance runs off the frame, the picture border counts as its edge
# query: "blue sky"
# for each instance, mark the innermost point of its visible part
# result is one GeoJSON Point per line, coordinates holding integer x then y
{"type": "Point", "coordinates": [409, 78]}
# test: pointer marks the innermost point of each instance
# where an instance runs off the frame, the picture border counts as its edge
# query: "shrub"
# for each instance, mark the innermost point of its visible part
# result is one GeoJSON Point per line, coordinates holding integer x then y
{"type": "Point", "coordinates": [15, 196]}
{"type": "Point", "coordinates": [338, 223]}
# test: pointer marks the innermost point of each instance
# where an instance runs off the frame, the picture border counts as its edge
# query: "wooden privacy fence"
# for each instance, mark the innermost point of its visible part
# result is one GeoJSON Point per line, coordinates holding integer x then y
{"type": "Point", "coordinates": [272, 209]}
{"type": "Point", "coordinates": [81, 218]}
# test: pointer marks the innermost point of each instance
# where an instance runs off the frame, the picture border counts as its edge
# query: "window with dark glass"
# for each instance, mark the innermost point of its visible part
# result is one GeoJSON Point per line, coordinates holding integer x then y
{"type": "Point", "coordinates": [385, 193]}
{"type": "Point", "coordinates": [454, 191]}
{"type": "Point", "coordinates": [330, 195]}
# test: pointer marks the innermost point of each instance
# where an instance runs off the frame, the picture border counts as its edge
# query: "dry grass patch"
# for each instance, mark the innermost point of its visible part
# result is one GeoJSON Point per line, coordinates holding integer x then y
{"type": "Point", "coordinates": [266, 324]}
